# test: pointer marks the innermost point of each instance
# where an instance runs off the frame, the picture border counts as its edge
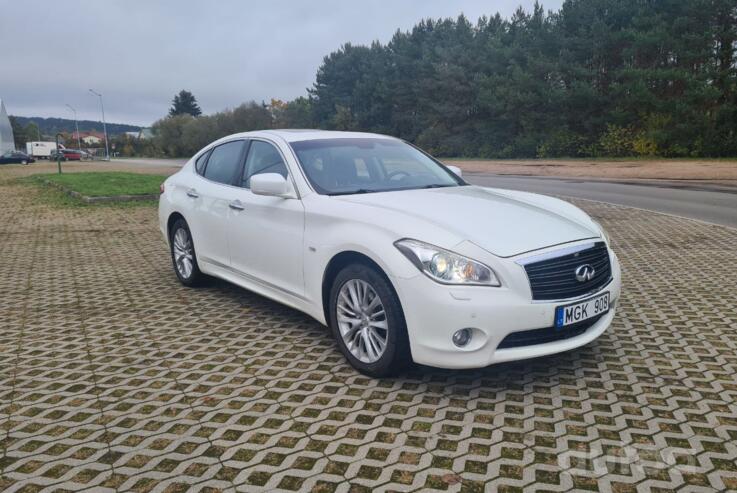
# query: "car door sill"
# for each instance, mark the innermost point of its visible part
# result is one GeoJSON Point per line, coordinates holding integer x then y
{"type": "Point", "coordinates": [248, 277]}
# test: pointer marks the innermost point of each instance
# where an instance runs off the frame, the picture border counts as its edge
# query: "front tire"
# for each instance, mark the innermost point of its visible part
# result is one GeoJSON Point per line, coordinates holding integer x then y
{"type": "Point", "coordinates": [24, 162]}
{"type": "Point", "coordinates": [367, 322]}
{"type": "Point", "coordinates": [183, 256]}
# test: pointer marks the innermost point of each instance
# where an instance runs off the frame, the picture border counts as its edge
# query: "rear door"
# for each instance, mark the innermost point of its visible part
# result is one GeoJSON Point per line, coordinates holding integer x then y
{"type": "Point", "coordinates": [212, 194]}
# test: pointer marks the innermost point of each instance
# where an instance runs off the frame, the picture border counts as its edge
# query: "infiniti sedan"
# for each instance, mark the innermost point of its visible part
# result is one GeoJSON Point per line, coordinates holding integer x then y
{"type": "Point", "coordinates": [393, 251]}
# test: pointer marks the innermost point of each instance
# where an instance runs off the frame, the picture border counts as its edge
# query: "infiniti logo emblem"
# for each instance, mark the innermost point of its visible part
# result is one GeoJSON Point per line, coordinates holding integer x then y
{"type": "Point", "coordinates": [585, 272]}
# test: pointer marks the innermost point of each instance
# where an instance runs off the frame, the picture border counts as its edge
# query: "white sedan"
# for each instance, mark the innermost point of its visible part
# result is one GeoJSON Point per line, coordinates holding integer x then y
{"type": "Point", "coordinates": [394, 251]}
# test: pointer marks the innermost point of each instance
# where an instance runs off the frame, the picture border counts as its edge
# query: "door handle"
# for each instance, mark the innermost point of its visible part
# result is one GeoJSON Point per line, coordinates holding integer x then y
{"type": "Point", "coordinates": [192, 193]}
{"type": "Point", "coordinates": [236, 205]}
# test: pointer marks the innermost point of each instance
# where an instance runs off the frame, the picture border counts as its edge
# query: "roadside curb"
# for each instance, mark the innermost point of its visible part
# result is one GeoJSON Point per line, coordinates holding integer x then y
{"type": "Point", "coordinates": [102, 199]}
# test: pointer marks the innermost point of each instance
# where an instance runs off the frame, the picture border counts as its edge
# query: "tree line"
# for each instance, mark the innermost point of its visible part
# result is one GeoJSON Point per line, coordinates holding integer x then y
{"type": "Point", "coordinates": [595, 78]}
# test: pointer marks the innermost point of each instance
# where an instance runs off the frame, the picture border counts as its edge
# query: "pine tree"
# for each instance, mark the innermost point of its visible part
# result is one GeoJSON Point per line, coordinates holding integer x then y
{"type": "Point", "coordinates": [184, 103]}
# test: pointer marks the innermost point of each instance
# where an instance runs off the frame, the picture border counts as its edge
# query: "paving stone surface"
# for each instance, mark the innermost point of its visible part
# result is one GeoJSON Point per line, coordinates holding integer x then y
{"type": "Point", "coordinates": [113, 377]}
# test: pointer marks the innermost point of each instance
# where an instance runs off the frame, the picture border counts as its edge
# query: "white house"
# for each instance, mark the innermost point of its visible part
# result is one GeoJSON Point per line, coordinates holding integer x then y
{"type": "Point", "coordinates": [91, 139]}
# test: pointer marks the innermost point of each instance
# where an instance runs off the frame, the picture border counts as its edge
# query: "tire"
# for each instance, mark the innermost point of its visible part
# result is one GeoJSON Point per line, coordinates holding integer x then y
{"type": "Point", "coordinates": [363, 331]}
{"type": "Point", "coordinates": [24, 162]}
{"type": "Point", "coordinates": [187, 270]}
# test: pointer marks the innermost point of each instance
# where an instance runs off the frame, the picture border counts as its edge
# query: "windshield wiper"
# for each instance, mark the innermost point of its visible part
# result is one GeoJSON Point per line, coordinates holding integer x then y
{"type": "Point", "coordinates": [352, 192]}
{"type": "Point", "coordinates": [435, 185]}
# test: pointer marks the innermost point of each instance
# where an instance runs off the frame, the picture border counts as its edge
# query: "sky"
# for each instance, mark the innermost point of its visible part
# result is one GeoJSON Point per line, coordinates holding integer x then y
{"type": "Point", "coordinates": [139, 53]}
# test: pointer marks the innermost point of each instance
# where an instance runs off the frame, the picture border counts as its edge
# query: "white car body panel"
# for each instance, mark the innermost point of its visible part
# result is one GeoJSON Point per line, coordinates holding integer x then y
{"type": "Point", "coordinates": [511, 225]}
{"type": "Point", "coordinates": [210, 216]}
{"type": "Point", "coordinates": [281, 248]}
{"type": "Point", "coordinates": [266, 240]}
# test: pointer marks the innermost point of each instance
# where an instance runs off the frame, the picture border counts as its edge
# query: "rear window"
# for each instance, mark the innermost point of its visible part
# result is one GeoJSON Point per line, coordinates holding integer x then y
{"type": "Point", "coordinates": [224, 162]}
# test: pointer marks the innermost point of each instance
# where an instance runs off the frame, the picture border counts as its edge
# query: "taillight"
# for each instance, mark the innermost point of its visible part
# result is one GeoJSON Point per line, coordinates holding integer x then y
{"type": "Point", "coordinates": [161, 188]}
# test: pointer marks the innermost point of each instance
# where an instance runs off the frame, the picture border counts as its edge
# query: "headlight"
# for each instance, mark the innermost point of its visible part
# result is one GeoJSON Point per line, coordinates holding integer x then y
{"type": "Point", "coordinates": [446, 267]}
{"type": "Point", "coordinates": [604, 234]}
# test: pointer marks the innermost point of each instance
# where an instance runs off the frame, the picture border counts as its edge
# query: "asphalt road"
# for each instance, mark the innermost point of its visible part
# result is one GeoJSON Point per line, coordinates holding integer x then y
{"type": "Point", "coordinates": [707, 202]}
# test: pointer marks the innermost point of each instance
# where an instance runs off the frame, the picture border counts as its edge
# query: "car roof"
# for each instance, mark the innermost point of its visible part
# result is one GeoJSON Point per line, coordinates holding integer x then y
{"type": "Point", "coordinates": [296, 135]}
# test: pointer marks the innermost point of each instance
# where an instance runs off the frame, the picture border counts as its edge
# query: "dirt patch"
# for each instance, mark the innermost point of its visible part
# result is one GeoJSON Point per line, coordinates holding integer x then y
{"type": "Point", "coordinates": [17, 170]}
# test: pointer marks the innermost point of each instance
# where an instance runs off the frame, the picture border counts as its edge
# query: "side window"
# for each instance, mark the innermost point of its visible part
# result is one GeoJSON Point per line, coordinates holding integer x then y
{"type": "Point", "coordinates": [199, 164]}
{"type": "Point", "coordinates": [224, 162]}
{"type": "Point", "coordinates": [262, 158]}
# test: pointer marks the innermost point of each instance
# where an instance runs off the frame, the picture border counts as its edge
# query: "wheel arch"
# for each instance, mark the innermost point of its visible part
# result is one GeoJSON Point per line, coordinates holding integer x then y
{"type": "Point", "coordinates": [338, 262]}
{"type": "Point", "coordinates": [173, 217]}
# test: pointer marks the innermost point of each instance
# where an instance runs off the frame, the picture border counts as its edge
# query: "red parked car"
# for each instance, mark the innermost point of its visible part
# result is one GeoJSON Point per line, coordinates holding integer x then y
{"type": "Point", "coordinates": [66, 155]}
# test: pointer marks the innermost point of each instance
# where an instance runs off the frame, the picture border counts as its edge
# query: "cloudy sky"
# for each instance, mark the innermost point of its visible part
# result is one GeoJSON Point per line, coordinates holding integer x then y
{"type": "Point", "coordinates": [139, 53]}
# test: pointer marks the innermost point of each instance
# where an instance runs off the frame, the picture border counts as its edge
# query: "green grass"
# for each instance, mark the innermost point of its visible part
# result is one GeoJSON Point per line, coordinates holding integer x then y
{"type": "Point", "coordinates": [50, 195]}
{"type": "Point", "coordinates": [106, 184]}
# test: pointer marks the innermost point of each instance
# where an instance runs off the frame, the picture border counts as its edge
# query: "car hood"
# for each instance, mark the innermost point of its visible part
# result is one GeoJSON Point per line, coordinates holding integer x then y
{"type": "Point", "coordinates": [503, 222]}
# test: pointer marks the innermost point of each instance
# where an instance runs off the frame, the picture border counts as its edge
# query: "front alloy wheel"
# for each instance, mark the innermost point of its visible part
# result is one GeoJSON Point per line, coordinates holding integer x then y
{"type": "Point", "coordinates": [367, 321]}
{"type": "Point", "coordinates": [362, 321]}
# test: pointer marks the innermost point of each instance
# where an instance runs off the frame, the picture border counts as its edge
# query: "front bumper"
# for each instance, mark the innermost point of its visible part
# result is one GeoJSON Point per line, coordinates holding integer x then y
{"type": "Point", "coordinates": [433, 312]}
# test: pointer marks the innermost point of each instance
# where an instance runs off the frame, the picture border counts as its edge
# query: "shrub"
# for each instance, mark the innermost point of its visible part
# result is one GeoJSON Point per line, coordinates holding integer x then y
{"type": "Point", "coordinates": [562, 143]}
{"type": "Point", "coordinates": [617, 141]}
{"type": "Point", "coordinates": [644, 145]}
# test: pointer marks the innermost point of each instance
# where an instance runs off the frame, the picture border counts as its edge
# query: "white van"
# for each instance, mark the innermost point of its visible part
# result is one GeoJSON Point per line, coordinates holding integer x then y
{"type": "Point", "coordinates": [41, 150]}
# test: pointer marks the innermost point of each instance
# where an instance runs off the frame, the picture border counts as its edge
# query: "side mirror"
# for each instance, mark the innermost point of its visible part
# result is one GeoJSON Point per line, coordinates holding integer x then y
{"type": "Point", "coordinates": [456, 170]}
{"type": "Point", "coordinates": [271, 184]}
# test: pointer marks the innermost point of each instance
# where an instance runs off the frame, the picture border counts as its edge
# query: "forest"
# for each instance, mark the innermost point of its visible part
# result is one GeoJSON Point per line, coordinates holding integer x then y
{"type": "Point", "coordinates": [595, 78]}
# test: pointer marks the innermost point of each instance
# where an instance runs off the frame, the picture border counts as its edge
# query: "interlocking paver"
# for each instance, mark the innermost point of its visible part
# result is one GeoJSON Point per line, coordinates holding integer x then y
{"type": "Point", "coordinates": [113, 377]}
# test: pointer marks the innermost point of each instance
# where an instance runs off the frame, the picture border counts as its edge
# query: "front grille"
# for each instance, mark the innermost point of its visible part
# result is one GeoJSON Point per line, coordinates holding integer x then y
{"type": "Point", "coordinates": [555, 278]}
{"type": "Point", "coordinates": [547, 334]}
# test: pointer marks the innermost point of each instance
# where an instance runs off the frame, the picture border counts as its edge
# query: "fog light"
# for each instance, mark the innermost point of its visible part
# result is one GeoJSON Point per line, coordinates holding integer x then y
{"type": "Point", "coordinates": [462, 337]}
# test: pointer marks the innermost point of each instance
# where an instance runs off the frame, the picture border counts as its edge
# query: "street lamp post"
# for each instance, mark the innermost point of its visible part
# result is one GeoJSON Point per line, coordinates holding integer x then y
{"type": "Point", "coordinates": [76, 126]}
{"type": "Point", "coordinates": [104, 127]}
{"type": "Point", "coordinates": [58, 153]}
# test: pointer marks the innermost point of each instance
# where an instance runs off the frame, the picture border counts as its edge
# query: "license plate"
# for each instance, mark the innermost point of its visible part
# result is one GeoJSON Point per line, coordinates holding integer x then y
{"type": "Point", "coordinates": [583, 310]}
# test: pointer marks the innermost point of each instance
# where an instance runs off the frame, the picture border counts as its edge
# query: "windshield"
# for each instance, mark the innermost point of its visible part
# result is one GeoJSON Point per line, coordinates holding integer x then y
{"type": "Point", "coordinates": [364, 165]}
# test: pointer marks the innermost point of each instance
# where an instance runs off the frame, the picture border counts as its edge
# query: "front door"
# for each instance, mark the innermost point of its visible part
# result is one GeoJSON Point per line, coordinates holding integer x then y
{"type": "Point", "coordinates": [266, 235]}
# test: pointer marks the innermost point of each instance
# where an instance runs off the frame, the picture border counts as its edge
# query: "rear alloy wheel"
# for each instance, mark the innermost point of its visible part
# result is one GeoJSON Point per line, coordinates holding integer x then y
{"type": "Point", "coordinates": [24, 162]}
{"type": "Point", "coordinates": [367, 321]}
{"type": "Point", "coordinates": [183, 254]}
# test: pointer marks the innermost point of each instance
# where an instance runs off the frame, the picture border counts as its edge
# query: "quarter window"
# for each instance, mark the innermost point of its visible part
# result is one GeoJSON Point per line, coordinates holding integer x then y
{"type": "Point", "coordinates": [224, 162]}
{"type": "Point", "coordinates": [263, 158]}
{"type": "Point", "coordinates": [199, 164]}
